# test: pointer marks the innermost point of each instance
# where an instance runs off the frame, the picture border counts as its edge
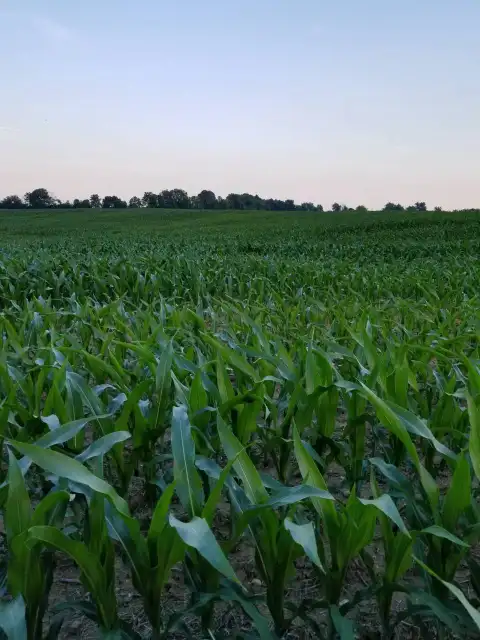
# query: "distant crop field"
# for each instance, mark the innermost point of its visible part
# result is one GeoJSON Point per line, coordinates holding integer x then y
{"type": "Point", "coordinates": [239, 424]}
{"type": "Point", "coordinates": [54, 222]}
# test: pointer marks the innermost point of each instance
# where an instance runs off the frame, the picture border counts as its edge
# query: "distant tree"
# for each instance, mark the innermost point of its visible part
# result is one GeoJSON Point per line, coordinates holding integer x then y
{"type": "Point", "coordinates": [180, 199]}
{"type": "Point", "coordinates": [81, 204]}
{"type": "Point", "coordinates": [420, 206]}
{"type": "Point", "coordinates": [438, 209]}
{"type": "Point", "coordinates": [336, 207]}
{"type": "Point", "coordinates": [248, 201]}
{"type": "Point", "coordinates": [134, 203]}
{"type": "Point", "coordinates": [307, 206]}
{"type": "Point", "coordinates": [234, 201]}
{"type": "Point", "coordinates": [272, 204]}
{"type": "Point", "coordinates": [95, 201]}
{"type": "Point", "coordinates": [11, 202]}
{"type": "Point", "coordinates": [391, 206]}
{"type": "Point", "coordinates": [411, 208]}
{"type": "Point", "coordinates": [168, 198]}
{"type": "Point", "coordinates": [173, 199]}
{"type": "Point", "coordinates": [259, 203]}
{"type": "Point", "coordinates": [113, 202]}
{"type": "Point", "coordinates": [361, 209]}
{"type": "Point", "coordinates": [165, 199]}
{"type": "Point", "coordinates": [39, 199]}
{"type": "Point", "coordinates": [150, 200]}
{"type": "Point", "coordinates": [206, 199]}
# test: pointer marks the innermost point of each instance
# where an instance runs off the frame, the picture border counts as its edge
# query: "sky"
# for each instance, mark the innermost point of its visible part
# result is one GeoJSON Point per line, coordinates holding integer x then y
{"type": "Point", "coordinates": [315, 100]}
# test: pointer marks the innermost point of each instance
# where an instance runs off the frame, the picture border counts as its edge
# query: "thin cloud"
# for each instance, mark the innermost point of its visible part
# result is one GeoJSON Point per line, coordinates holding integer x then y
{"type": "Point", "coordinates": [47, 27]}
{"type": "Point", "coordinates": [8, 133]}
{"type": "Point", "coordinates": [51, 29]}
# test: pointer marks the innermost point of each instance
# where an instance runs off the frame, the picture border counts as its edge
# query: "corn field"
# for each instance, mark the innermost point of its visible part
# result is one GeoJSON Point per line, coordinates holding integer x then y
{"type": "Point", "coordinates": [269, 429]}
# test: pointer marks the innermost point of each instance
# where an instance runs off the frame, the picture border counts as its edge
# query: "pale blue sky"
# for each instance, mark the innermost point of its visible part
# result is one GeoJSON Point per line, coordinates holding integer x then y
{"type": "Point", "coordinates": [346, 100]}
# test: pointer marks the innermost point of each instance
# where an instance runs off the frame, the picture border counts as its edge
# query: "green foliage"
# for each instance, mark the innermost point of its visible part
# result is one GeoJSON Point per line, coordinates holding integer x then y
{"type": "Point", "coordinates": [304, 391]}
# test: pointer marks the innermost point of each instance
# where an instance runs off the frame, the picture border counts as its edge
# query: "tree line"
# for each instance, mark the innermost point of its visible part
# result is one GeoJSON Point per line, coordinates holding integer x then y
{"type": "Point", "coordinates": [179, 199]}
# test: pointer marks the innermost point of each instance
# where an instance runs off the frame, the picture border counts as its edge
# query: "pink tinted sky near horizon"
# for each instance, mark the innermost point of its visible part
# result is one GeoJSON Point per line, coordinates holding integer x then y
{"type": "Point", "coordinates": [356, 102]}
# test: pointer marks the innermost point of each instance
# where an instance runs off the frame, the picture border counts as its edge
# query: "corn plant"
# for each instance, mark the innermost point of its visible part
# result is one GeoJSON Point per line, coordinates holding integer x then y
{"type": "Point", "coordinates": [198, 386]}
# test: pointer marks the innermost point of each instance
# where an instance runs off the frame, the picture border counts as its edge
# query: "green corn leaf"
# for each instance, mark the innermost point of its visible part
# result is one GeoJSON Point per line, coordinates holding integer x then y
{"type": "Point", "coordinates": [128, 408]}
{"type": "Point", "coordinates": [393, 475]}
{"type": "Point", "coordinates": [458, 497]}
{"type": "Point", "coordinates": [65, 432]}
{"type": "Point", "coordinates": [126, 531]}
{"type": "Point", "coordinates": [292, 495]}
{"type": "Point", "coordinates": [163, 382]}
{"type": "Point", "coordinates": [100, 365]}
{"type": "Point", "coordinates": [45, 510]}
{"type": "Point", "coordinates": [399, 557]}
{"type": "Point", "coordinates": [86, 561]}
{"type": "Point", "coordinates": [304, 535]}
{"type": "Point", "coordinates": [244, 467]}
{"type": "Point", "coordinates": [160, 513]}
{"type": "Point", "coordinates": [392, 422]}
{"type": "Point", "coordinates": [18, 508]}
{"type": "Point", "coordinates": [216, 493]}
{"type": "Point", "coordinates": [313, 478]}
{"type": "Point", "coordinates": [474, 441]}
{"type": "Point", "coordinates": [103, 445]}
{"type": "Point", "coordinates": [236, 360]}
{"type": "Point", "coordinates": [225, 388]}
{"type": "Point", "coordinates": [187, 479]}
{"type": "Point", "coordinates": [78, 387]}
{"type": "Point", "coordinates": [65, 467]}
{"type": "Point", "coordinates": [313, 379]}
{"type": "Point", "coordinates": [287, 496]}
{"type": "Point", "coordinates": [247, 420]}
{"type": "Point", "coordinates": [440, 532]}
{"type": "Point", "coordinates": [51, 421]}
{"type": "Point", "coordinates": [415, 425]}
{"type": "Point", "coordinates": [343, 626]}
{"type": "Point", "coordinates": [198, 535]}
{"type": "Point", "coordinates": [232, 592]}
{"type": "Point", "coordinates": [198, 401]}
{"type": "Point", "coordinates": [12, 619]}
{"type": "Point", "coordinates": [473, 613]}
{"type": "Point", "coordinates": [386, 505]}
{"type": "Point", "coordinates": [441, 610]}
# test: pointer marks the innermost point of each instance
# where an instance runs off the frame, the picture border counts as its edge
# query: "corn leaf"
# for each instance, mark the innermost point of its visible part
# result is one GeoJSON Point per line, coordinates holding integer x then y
{"type": "Point", "coordinates": [65, 467]}
{"type": "Point", "coordinates": [187, 480]}
{"type": "Point", "coordinates": [244, 467]}
{"type": "Point", "coordinates": [198, 535]}
{"type": "Point", "coordinates": [18, 508]}
{"type": "Point", "coordinates": [304, 535]}
{"type": "Point", "coordinates": [473, 613]}
{"type": "Point", "coordinates": [474, 441]}
{"type": "Point", "coordinates": [12, 619]}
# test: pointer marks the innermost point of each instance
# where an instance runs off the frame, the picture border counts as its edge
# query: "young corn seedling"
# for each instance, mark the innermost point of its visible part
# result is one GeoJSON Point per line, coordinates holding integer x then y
{"type": "Point", "coordinates": [30, 568]}
{"type": "Point", "coordinates": [346, 532]}
{"type": "Point", "coordinates": [278, 540]}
